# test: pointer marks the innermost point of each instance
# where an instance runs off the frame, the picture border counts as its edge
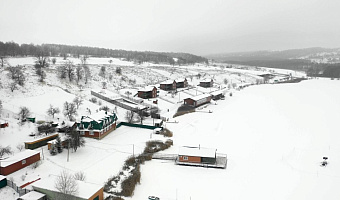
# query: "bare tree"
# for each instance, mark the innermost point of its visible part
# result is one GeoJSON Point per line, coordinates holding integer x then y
{"type": "Point", "coordinates": [52, 111]}
{"type": "Point", "coordinates": [17, 75]}
{"type": "Point", "coordinates": [66, 185]}
{"type": "Point", "coordinates": [13, 86]}
{"type": "Point", "coordinates": [5, 150]}
{"type": "Point", "coordinates": [20, 147]}
{"type": "Point", "coordinates": [54, 60]}
{"type": "Point", "coordinates": [79, 73]}
{"type": "Point", "coordinates": [75, 140]}
{"type": "Point", "coordinates": [80, 176]}
{"type": "Point", "coordinates": [3, 61]}
{"type": "Point", "coordinates": [104, 84]}
{"type": "Point", "coordinates": [129, 115]}
{"type": "Point", "coordinates": [24, 113]}
{"type": "Point", "coordinates": [83, 59]}
{"type": "Point", "coordinates": [62, 73]}
{"type": "Point", "coordinates": [78, 101]}
{"type": "Point", "coordinates": [41, 60]}
{"type": "Point", "coordinates": [102, 71]}
{"type": "Point", "coordinates": [105, 108]}
{"type": "Point", "coordinates": [69, 67]}
{"type": "Point", "coordinates": [140, 116]}
{"type": "Point", "coordinates": [70, 110]}
{"type": "Point", "coordinates": [87, 74]}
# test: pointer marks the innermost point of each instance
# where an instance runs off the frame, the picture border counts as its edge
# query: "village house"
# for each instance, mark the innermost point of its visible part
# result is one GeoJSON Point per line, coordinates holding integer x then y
{"type": "Point", "coordinates": [216, 95]}
{"type": "Point", "coordinates": [168, 85]}
{"type": "Point", "coordinates": [148, 92]}
{"type": "Point", "coordinates": [197, 100]}
{"type": "Point", "coordinates": [86, 191]}
{"type": "Point", "coordinates": [181, 83]}
{"type": "Point", "coordinates": [97, 125]}
{"type": "Point", "coordinates": [206, 83]}
{"type": "Point", "coordinates": [18, 161]}
{"type": "Point", "coordinates": [197, 155]}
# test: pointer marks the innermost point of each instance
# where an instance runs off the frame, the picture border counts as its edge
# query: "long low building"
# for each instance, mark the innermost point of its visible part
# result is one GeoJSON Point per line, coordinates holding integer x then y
{"type": "Point", "coordinates": [85, 190]}
{"type": "Point", "coordinates": [198, 100]}
{"type": "Point", "coordinates": [18, 161]}
{"type": "Point", "coordinates": [197, 155]}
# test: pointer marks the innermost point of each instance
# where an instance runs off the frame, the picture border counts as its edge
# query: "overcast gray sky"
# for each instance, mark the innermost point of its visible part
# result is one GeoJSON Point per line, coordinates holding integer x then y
{"type": "Point", "coordinates": [193, 26]}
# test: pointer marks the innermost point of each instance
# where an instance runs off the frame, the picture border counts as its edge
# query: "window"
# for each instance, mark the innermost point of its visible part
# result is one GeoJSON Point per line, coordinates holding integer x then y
{"type": "Point", "coordinates": [185, 157]}
{"type": "Point", "coordinates": [23, 162]}
{"type": "Point", "coordinates": [82, 132]}
{"type": "Point", "coordinates": [91, 132]}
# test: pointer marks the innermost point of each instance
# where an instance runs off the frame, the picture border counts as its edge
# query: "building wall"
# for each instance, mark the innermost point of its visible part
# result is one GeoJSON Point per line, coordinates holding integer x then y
{"type": "Point", "coordinates": [20, 164]}
{"type": "Point", "coordinates": [191, 159]}
{"type": "Point", "coordinates": [97, 134]}
{"type": "Point", "coordinates": [100, 194]}
{"type": "Point", "coordinates": [189, 102]}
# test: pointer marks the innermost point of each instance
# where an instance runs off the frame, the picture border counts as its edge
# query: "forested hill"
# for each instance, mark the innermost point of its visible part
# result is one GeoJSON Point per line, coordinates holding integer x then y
{"type": "Point", "coordinates": [14, 49]}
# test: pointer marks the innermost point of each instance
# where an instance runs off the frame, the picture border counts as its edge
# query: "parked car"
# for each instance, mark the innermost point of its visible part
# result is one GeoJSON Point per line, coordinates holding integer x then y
{"type": "Point", "coordinates": [153, 198]}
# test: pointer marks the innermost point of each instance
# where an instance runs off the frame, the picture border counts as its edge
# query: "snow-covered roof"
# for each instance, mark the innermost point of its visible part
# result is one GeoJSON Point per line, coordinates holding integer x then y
{"type": "Point", "coordinates": [2, 177]}
{"type": "Point", "coordinates": [41, 138]}
{"type": "Point", "coordinates": [196, 151]}
{"type": "Point", "coordinates": [217, 92]}
{"type": "Point", "coordinates": [206, 80]}
{"type": "Point", "coordinates": [34, 195]}
{"type": "Point", "coordinates": [18, 157]}
{"type": "Point", "coordinates": [85, 189]}
{"type": "Point", "coordinates": [95, 116]}
{"type": "Point", "coordinates": [198, 97]}
{"type": "Point", "coordinates": [167, 82]}
{"type": "Point", "coordinates": [147, 89]}
{"type": "Point", "coordinates": [180, 80]}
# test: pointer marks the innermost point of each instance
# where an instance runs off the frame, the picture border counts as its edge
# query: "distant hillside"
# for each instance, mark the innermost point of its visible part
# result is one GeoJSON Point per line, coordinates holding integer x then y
{"type": "Point", "coordinates": [274, 55]}
{"type": "Point", "coordinates": [13, 49]}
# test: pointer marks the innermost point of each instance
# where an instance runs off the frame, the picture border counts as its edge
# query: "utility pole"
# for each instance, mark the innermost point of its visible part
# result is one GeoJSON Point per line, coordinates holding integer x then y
{"type": "Point", "coordinates": [68, 150]}
{"type": "Point", "coordinates": [133, 149]}
{"type": "Point", "coordinates": [42, 150]}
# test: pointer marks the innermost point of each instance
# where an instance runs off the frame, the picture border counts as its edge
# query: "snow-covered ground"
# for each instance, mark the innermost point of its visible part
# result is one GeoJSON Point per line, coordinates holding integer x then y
{"type": "Point", "coordinates": [275, 137]}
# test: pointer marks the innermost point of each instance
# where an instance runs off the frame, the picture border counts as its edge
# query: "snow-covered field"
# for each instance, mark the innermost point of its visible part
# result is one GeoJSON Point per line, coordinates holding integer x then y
{"type": "Point", "coordinates": [275, 137]}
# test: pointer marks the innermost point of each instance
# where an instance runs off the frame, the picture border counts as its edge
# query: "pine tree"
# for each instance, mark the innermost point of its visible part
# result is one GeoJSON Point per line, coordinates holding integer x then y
{"type": "Point", "coordinates": [53, 150]}
{"type": "Point", "coordinates": [59, 145]}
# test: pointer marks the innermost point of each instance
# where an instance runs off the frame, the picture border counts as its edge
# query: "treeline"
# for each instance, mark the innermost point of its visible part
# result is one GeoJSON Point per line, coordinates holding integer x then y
{"type": "Point", "coordinates": [311, 68]}
{"type": "Point", "coordinates": [12, 49]}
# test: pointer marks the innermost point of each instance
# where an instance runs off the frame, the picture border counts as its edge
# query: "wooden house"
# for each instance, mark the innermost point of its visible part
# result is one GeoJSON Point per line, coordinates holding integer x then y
{"type": "Point", "coordinates": [97, 125]}
{"type": "Point", "coordinates": [198, 100]}
{"type": "Point", "coordinates": [39, 142]}
{"type": "Point", "coordinates": [18, 161]}
{"type": "Point", "coordinates": [206, 83]}
{"type": "Point", "coordinates": [197, 155]}
{"type": "Point", "coordinates": [168, 85]}
{"type": "Point", "coordinates": [148, 92]}
{"type": "Point", "coordinates": [182, 83]}
{"type": "Point", "coordinates": [86, 191]}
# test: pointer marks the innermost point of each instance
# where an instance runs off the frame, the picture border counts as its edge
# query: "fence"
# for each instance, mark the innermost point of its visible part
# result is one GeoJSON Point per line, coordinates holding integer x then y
{"type": "Point", "coordinates": [19, 190]}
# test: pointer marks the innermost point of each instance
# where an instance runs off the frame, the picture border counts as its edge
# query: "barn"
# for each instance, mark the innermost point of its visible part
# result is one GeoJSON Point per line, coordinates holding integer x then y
{"type": "Point", "coordinates": [97, 125]}
{"type": "Point", "coordinates": [198, 100]}
{"type": "Point", "coordinates": [86, 191]}
{"type": "Point", "coordinates": [206, 83]}
{"type": "Point", "coordinates": [182, 83]}
{"type": "Point", "coordinates": [148, 92]}
{"type": "Point", "coordinates": [197, 155]}
{"type": "Point", "coordinates": [18, 161]}
{"type": "Point", "coordinates": [168, 85]}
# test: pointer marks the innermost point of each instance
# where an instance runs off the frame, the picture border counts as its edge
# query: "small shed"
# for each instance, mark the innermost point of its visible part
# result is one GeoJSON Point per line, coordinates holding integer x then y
{"type": "Point", "coordinates": [206, 83]}
{"type": "Point", "coordinates": [197, 155]}
{"type": "Point", "coordinates": [18, 161]}
{"type": "Point", "coordinates": [39, 142]}
{"type": "Point", "coordinates": [147, 92]}
{"type": "Point", "coordinates": [182, 83]}
{"type": "Point", "coordinates": [216, 95]}
{"type": "Point", "coordinates": [168, 85]}
{"type": "Point", "coordinates": [3, 124]}
{"type": "Point", "coordinates": [198, 100]}
{"type": "Point", "coordinates": [33, 195]}
{"type": "Point", "coordinates": [3, 181]}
